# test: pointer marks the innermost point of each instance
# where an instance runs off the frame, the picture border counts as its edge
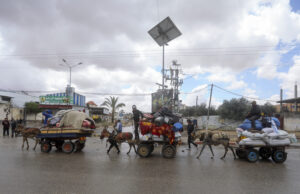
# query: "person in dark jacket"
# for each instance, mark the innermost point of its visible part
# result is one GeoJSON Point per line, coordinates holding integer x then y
{"type": "Point", "coordinates": [136, 119]}
{"type": "Point", "coordinates": [254, 114]}
{"type": "Point", "coordinates": [13, 125]}
{"type": "Point", "coordinates": [190, 130]}
{"type": "Point", "coordinates": [5, 124]}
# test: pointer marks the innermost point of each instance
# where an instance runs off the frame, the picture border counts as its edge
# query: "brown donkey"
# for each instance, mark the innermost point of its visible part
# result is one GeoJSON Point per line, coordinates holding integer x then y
{"type": "Point", "coordinates": [119, 138]}
{"type": "Point", "coordinates": [214, 139]}
{"type": "Point", "coordinates": [28, 133]}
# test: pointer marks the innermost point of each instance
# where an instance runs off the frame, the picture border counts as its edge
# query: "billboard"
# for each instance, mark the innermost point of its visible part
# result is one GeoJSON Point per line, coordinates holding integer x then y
{"type": "Point", "coordinates": [157, 99]}
{"type": "Point", "coordinates": [64, 100]}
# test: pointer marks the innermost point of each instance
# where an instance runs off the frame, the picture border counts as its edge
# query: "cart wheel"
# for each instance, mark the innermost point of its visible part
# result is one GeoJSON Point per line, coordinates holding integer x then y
{"type": "Point", "coordinates": [241, 153]}
{"type": "Point", "coordinates": [143, 150]}
{"type": "Point", "coordinates": [68, 147]}
{"type": "Point", "coordinates": [151, 148]}
{"type": "Point", "coordinates": [46, 147]}
{"type": "Point", "coordinates": [58, 144]}
{"type": "Point", "coordinates": [252, 155]}
{"type": "Point", "coordinates": [168, 151]}
{"type": "Point", "coordinates": [265, 152]}
{"type": "Point", "coordinates": [279, 156]}
{"type": "Point", "coordinates": [79, 146]}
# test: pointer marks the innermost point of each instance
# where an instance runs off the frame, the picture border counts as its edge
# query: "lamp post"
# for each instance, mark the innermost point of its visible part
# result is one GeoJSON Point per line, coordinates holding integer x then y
{"type": "Point", "coordinates": [70, 67]}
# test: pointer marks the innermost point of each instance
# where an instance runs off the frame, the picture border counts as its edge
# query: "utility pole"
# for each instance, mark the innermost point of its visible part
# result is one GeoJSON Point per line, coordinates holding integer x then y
{"type": "Point", "coordinates": [207, 119]}
{"type": "Point", "coordinates": [176, 82]}
{"type": "Point", "coordinates": [281, 94]}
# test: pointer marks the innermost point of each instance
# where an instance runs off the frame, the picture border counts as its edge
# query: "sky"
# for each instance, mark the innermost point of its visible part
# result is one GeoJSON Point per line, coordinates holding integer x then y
{"type": "Point", "coordinates": [250, 48]}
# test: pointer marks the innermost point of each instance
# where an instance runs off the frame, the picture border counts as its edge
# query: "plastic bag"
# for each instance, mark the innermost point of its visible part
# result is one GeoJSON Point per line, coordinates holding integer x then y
{"type": "Point", "coordinates": [293, 138]}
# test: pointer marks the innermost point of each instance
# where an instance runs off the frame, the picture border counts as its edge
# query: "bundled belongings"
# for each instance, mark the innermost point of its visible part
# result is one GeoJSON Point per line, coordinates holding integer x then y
{"type": "Point", "coordinates": [160, 126]}
{"type": "Point", "coordinates": [71, 119]}
{"type": "Point", "coordinates": [265, 122]}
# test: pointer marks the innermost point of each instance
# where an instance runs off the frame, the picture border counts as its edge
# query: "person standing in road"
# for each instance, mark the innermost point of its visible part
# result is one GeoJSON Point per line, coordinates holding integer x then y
{"type": "Point", "coordinates": [136, 119]}
{"type": "Point", "coordinates": [5, 125]}
{"type": "Point", "coordinates": [190, 130]}
{"type": "Point", "coordinates": [13, 125]}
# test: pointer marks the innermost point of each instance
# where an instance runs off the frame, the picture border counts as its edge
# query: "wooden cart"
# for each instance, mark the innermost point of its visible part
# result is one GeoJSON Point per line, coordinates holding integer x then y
{"type": "Point", "coordinates": [67, 140]}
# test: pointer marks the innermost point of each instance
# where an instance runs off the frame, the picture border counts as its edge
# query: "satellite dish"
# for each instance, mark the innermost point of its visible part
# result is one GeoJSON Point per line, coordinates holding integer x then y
{"type": "Point", "coordinates": [164, 32]}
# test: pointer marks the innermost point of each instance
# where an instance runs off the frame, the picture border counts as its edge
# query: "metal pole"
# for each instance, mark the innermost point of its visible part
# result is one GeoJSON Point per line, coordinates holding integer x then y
{"type": "Point", "coordinates": [207, 119]}
{"type": "Point", "coordinates": [70, 75]}
{"type": "Point", "coordinates": [281, 92]}
{"type": "Point", "coordinates": [163, 75]}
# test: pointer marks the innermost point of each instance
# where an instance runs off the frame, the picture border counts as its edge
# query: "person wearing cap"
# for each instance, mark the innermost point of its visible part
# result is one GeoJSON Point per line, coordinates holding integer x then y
{"type": "Point", "coordinates": [136, 119]}
{"type": "Point", "coordinates": [254, 114]}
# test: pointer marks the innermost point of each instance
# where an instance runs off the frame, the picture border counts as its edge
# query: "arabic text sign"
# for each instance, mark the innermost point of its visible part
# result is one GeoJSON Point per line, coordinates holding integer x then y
{"type": "Point", "coordinates": [56, 100]}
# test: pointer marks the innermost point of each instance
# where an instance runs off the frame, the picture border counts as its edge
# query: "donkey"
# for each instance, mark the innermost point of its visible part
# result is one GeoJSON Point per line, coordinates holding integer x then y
{"type": "Point", "coordinates": [119, 138]}
{"type": "Point", "coordinates": [214, 139]}
{"type": "Point", "coordinates": [28, 133]}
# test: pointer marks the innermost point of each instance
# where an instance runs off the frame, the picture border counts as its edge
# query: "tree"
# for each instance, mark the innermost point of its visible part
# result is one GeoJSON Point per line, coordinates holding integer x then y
{"type": "Point", "coordinates": [235, 109]}
{"type": "Point", "coordinates": [112, 103]}
{"type": "Point", "coordinates": [32, 108]}
{"type": "Point", "coordinates": [198, 111]}
{"type": "Point", "coordinates": [268, 109]}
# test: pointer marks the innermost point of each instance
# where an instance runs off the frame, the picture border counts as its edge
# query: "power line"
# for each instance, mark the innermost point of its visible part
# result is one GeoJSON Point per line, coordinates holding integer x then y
{"type": "Point", "coordinates": [236, 94]}
{"type": "Point", "coordinates": [182, 52]}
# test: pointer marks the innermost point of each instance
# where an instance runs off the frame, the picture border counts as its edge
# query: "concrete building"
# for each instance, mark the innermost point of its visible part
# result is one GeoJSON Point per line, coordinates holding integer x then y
{"type": "Point", "coordinates": [64, 100]}
{"type": "Point", "coordinates": [12, 104]}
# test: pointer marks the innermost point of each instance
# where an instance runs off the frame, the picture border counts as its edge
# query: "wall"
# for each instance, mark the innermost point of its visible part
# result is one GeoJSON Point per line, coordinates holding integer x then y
{"type": "Point", "coordinates": [214, 122]}
{"type": "Point", "coordinates": [292, 121]}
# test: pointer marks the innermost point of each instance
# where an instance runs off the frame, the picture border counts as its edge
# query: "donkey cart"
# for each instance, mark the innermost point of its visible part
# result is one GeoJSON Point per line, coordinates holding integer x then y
{"type": "Point", "coordinates": [145, 148]}
{"type": "Point", "coordinates": [67, 140]}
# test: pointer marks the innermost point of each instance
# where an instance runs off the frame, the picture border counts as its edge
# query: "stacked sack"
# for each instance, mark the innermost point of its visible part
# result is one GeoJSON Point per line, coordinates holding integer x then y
{"type": "Point", "coordinates": [268, 137]}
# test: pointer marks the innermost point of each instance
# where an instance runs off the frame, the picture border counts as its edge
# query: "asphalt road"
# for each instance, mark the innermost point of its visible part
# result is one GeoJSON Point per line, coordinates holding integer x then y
{"type": "Point", "coordinates": [93, 171]}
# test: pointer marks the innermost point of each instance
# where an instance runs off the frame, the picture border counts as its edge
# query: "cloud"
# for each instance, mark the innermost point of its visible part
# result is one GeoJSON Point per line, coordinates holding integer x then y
{"type": "Point", "coordinates": [220, 40]}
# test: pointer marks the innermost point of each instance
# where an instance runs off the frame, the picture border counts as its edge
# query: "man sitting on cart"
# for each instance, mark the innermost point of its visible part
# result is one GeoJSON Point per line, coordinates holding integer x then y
{"type": "Point", "coordinates": [254, 114]}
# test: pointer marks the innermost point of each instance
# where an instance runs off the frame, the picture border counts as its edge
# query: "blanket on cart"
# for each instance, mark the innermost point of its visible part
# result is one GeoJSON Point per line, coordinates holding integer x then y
{"type": "Point", "coordinates": [75, 119]}
{"type": "Point", "coordinates": [163, 130]}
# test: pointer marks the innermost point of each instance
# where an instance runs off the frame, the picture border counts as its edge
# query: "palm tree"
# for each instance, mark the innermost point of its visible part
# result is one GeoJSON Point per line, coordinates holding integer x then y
{"type": "Point", "coordinates": [112, 103]}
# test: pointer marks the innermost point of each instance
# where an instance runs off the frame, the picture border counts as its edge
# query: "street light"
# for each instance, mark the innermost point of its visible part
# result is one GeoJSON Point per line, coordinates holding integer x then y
{"type": "Point", "coordinates": [70, 67]}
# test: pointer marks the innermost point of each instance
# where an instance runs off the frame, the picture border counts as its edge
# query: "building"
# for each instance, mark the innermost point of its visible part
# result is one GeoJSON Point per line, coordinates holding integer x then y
{"type": "Point", "coordinates": [64, 100]}
{"type": "Point", "coordinates": [289, 105]}
{"type": "Point", "coordinates": [97, 113]}
{"type": "Point", "coordinates": [12, 104]}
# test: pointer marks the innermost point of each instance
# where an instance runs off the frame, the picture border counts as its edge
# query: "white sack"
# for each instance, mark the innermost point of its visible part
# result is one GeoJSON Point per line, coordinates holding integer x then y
{"type": "Point", "coordinates": [268, 130]}
{"type": "Point", "coordinates": [278, 142]}
{"type": "Point", "coordinates": [253, 136]}
{"type": "Point", "coordinates": [252, 142]}
{"type": "Point", "coordinates": [280, 135]}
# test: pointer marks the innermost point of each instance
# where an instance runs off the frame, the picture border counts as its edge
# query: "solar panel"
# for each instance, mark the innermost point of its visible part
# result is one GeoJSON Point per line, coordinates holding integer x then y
{"type": "Point", "coordinates": [164, 32]}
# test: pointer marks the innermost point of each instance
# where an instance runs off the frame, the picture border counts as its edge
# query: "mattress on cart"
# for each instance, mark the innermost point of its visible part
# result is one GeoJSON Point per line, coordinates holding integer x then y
{"type": "Point", "coordinates": [74, 119]}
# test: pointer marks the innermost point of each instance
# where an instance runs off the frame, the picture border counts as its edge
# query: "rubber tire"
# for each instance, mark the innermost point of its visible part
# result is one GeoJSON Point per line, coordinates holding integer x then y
{"type": "Point", "coordinates": [151, 148]}
{"type": "Point", "coordinates": [58, 144]}
{"type": "Point", "coordinates": [241, 153]}
{"type": "Point", "coordinates": [168, 151]}
{"type": "Point", "coordinates": [265, 152]}
{"type": "Point", "coordinates": [68, 147]}
{"type": "Point", "coordinates": [46, 147]}
{"type": "Point", "coordinates": [252, 155]}
{"type": "Point", "coordinates": [143, 150]}
{"type": "Point", "coordinates": [279, 156]}
{"type": "Point", "coordinates": [79, 146]}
